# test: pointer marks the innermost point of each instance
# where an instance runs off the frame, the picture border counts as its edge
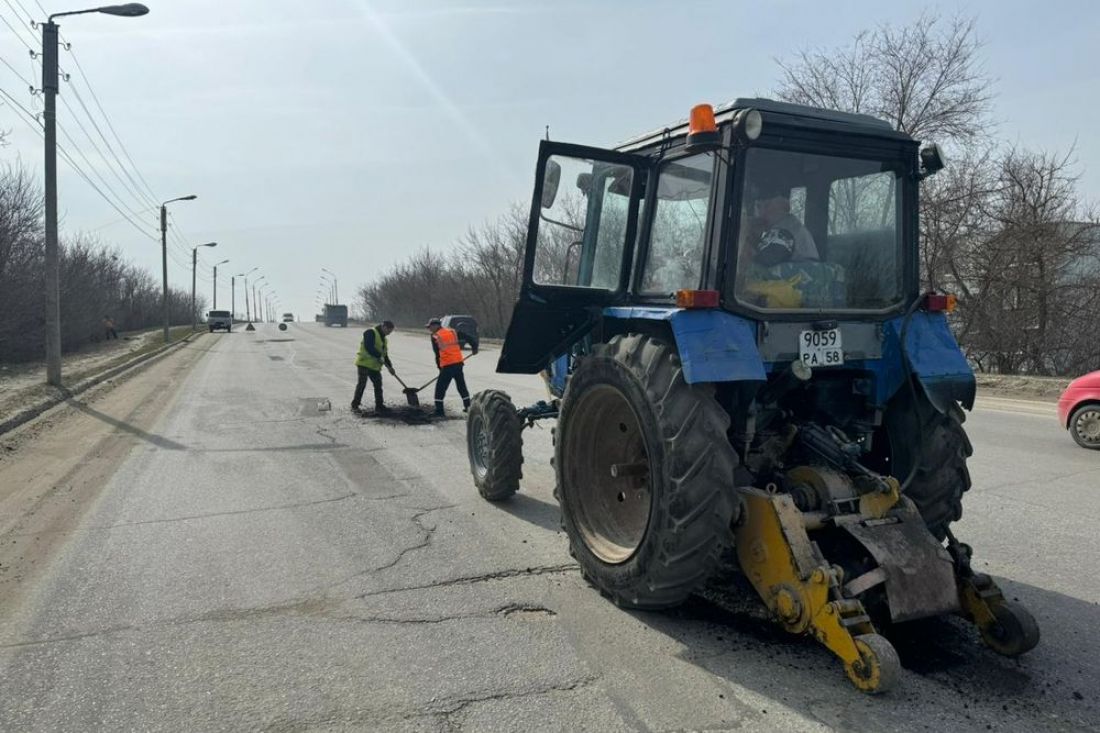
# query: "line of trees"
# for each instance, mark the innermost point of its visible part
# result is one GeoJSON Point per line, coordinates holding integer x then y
{"type": "Point", "coordinates": [94, 281]}
{"type": "Point", "coordinates": [1002, 227]}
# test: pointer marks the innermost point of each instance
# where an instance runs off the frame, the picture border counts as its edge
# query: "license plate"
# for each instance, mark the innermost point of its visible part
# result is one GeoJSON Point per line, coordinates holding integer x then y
{"type": "Point", "coordinates": [821, 348]}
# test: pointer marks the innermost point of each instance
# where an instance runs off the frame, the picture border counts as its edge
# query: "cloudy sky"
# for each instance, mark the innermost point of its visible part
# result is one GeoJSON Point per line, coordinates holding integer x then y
{"type": "Point", "coordinates": [346, 133]}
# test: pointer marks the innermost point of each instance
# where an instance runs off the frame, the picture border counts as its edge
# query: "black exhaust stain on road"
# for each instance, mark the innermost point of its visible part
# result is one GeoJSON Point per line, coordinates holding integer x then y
{"type": "Point", "coordinates": [274, 358]}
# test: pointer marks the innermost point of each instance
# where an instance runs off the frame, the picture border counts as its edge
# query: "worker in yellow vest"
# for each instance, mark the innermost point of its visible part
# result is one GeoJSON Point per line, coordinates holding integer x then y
{"type": "Point", "coordinates": [373, 355]}
{"type": "Point", "coordinates": [448, 357]}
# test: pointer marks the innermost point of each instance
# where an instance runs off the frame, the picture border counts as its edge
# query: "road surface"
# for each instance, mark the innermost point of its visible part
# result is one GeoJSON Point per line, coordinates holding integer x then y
{"type": "Point", "coordinates": [210, 546]}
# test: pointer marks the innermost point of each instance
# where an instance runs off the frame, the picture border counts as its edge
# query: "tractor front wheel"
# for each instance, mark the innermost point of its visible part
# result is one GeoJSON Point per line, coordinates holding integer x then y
{"type": "Point", "coordinates": [494, 442]}
{"type": "Point", "coordinates": [644, 473]}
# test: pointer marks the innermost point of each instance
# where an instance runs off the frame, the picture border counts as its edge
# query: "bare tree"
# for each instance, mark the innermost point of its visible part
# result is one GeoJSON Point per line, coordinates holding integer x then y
{"type": "Point", "coordinates": [1028, 281]}
{"type": "Point", "coordinates": [926, 78]}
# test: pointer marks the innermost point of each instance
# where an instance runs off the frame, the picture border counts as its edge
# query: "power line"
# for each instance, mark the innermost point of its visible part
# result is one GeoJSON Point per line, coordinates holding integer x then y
{"type": "Point", "coordinates": [139, 197]}
{"type": "Point", "coordinates": [16, 32]}
{"type": "Point", "coordinates": [110, 126]}
{"type": "Point", "coordinates": [32, 121]}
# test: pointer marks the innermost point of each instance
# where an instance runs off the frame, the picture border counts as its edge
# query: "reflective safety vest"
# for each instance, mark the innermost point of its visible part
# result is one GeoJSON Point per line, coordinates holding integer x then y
{"type": "Point", "coordinates": [364, 359]}
{"type": "Point", "coordinates": [449, 350]}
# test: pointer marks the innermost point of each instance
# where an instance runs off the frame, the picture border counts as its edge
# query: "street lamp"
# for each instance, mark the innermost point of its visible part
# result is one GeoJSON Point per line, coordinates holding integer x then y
{"type": "Point", "coordinates": [50, 89]}
{"type": "Point", "coordinates": [233, 290]}
{"type": "Point", "coordinates": [335, 290]}
{"type": "Point", "coordinates": [194, 259]}
{"type": "Point", "coordinates": [255, 310]}
{"type": "Point", "coordinates": [260, 302]}
{"type": "Point", "coordinates": [215, 306]}
{"type": "Point", "coordinates": [164, 255]}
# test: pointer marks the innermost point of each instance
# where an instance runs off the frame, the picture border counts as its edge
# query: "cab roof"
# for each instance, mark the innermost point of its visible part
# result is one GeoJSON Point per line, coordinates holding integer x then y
{"type": "Point", "coordinates": [781, 112]}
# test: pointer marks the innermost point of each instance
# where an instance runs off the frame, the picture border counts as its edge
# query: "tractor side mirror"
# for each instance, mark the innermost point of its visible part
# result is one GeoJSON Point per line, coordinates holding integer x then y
{"type": "Point", "coordinates": [931, 160]}
{"type": "Point", "coordinates": [550, 180]}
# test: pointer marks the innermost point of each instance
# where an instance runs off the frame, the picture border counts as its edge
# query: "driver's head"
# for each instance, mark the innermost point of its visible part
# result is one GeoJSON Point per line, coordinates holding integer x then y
{"type": "Point", "coordinates": [772, 203]}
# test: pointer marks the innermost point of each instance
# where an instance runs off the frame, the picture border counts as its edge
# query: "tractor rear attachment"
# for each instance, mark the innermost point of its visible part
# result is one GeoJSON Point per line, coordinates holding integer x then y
{"type": "Point", "coordinates": [883, 563]}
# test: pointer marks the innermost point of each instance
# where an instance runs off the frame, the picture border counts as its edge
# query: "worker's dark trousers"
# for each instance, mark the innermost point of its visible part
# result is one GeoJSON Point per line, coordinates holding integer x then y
{"type": "Point", "coordinates": [446, 374]}
{"type": "Point", "coordinates": [376, 379]}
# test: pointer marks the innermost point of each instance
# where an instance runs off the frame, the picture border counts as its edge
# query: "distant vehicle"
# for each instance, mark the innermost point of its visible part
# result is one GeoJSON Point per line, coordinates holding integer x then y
{"type": "Point", "coordinates": [466, 327]}
{"type": "Point", "coordinates": [336, 315]}
{"type": "Point", "coordinates": [1079, 410]}
{"type": "Point", "coordinates": [288, 318]}
{"type": "Point", "coordinates": [219, 319]}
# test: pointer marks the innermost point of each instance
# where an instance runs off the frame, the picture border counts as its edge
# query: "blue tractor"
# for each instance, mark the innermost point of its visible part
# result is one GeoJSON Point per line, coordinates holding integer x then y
{"type": "Point", "coordinates": [746, 377]}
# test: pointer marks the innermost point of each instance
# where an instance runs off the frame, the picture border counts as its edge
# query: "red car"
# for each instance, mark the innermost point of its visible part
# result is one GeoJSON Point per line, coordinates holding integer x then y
{"type": "Point", "coordinates": [1079, 410]}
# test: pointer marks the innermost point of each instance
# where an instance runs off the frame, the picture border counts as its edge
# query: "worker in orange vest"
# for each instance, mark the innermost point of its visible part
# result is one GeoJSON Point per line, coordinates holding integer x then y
{"type": "Point", "coordinates": [448, 357]}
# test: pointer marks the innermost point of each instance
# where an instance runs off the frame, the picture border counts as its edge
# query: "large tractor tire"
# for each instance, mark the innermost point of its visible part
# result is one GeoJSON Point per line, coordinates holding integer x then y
{"type": "Point", "coordinates": [494, 442]}
{"type": "Point", "coordinates": [644, 474]}
{"type": "Point", "coordinates": [938, 445]}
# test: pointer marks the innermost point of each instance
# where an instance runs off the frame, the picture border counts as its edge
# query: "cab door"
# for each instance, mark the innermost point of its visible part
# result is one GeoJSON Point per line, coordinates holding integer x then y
{"type": "Point", "coordinates": [580, 245]}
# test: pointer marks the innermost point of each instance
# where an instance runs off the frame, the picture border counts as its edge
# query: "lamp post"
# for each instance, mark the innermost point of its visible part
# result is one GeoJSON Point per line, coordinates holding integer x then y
{"type": "Point", "coordinates": [194, 259]}
{"type": "Point", "coordinates": [164, 256]}
{"type": "Point", "coordinates": [50, 89]}
{"type": "Point", "coordinates": [255, 311]}
{"type": "Point", "coordinates": [259, 303]}
{"type": "Point", "coordinates": [233, 288]}
{"type": "Point", "coordinates": [335, 290]}
{"type": "Point", "coordinates": [215, 306]}
{"type": "Point", "coordinates": [331, 296]}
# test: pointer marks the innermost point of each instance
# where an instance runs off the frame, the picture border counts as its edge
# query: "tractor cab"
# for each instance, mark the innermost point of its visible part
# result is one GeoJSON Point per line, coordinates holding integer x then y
{"type": "Point", "coordinates": [766, 210]}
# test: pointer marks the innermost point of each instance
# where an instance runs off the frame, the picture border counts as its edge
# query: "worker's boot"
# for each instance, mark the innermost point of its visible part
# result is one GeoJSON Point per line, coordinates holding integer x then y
{"type": "Point", "coordinates": [439, 409]}
{"type": "Point", "coordinates": [465, 404]}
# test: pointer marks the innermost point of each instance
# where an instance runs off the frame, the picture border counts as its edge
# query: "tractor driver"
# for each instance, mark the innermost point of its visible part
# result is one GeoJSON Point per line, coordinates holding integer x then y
{"type": "Point", "coordinates": [773, 243]}
{"type": "Point", "coordinates": [773, 234]}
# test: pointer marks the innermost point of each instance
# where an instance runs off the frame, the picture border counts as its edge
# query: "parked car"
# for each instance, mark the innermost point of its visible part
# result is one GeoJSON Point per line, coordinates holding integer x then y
{"type": "Point", "coordinates": [466, 328]}
{"type": "Point", "coordinates": [1079, 410]}
{"type": "Point", "coordinates": [219, 319]}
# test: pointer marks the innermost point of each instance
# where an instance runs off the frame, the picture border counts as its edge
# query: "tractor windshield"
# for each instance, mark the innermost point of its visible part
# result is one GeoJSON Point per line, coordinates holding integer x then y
{"type": "Point", "coordinates": [819, 232]}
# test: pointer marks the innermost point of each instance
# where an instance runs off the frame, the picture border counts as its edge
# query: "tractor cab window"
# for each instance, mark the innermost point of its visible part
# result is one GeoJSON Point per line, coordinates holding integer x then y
{"type": "Point", "coordinates": [583, 223]}
{"type": "Point", "coordinates": [819, 232]}
{"type": "Point", "coordinates": [677, 238]}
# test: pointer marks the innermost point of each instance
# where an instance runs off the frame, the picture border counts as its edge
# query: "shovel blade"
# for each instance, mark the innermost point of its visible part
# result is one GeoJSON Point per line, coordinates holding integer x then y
{"type": "Point", "coordinates": [412, 397]}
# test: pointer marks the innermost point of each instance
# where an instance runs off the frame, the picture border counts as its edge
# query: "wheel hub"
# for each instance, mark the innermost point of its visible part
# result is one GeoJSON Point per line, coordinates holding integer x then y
{"type": "Point", "coordinates": [480, 457]}
{"type": "Point", "coordinates": [608, 469]}
{"type": "Point", "coordinates": [1088, 426]}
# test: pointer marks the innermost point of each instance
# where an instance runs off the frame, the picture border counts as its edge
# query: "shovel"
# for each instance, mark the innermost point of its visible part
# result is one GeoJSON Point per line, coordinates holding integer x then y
{"type": "Point", "coordinates": [410, 392]}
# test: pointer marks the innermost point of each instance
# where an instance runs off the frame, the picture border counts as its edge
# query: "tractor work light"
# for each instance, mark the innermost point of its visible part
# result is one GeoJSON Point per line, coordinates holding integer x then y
{"type": "Point", "coordinates": [697, 299]}
{"type": "Point", "coordinates": [748, 124]}
{"type": "Point", "coordinates": [702, 129]}
{"type": "Point", "coordinates": [940, 303]}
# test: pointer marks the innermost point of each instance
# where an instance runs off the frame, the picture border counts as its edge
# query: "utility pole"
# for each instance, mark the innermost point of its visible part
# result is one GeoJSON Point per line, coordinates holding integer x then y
{"type": "Point", "coordinates": [232, 300]}
{"type": "Point", "coordinates": [215, 306]}
{"type": "Point", "coordinates": [194, 260]}
{"type": "Point", "coordinates": [53, 294]}
{"type": "Point", "coordinates": [164, 258]}
{"type": "Point", "coordinates": [50, 89]}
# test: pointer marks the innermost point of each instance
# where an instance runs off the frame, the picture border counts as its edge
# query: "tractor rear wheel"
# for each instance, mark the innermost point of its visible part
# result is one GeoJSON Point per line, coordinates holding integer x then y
{"type": "Point", "coordinates": [494, 442]}
{"type": "Point", "coordinates": [644, 473]}
{"type": "Point", "coordinates": [937, 444]}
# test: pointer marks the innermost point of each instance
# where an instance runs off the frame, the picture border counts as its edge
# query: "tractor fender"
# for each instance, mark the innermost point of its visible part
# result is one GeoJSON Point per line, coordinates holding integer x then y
{"type": "Point", "coordinates": [714, 346]}
{"type": "Point", "coordinates": [933, 357]}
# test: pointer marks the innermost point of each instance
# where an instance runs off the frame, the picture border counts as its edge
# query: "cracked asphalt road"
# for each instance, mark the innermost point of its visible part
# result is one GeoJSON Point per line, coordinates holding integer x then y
{"type": "Point", "coordinates": [211, 546]}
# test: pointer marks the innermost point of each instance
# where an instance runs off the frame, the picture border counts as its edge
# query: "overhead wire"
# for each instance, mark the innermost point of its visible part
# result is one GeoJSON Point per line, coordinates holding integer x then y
{"type": "Point", "coordinates": [32, 121]}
